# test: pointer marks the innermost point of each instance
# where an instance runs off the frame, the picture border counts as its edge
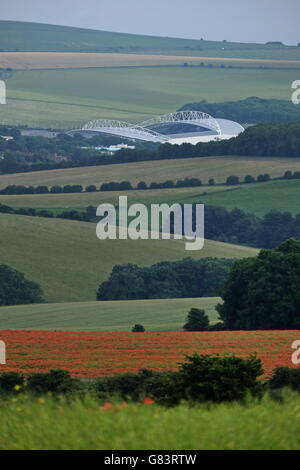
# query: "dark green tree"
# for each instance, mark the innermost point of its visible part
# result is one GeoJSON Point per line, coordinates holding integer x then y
{"type": "Point", "coordinates": [15, 289]}
{"type": "Point", "coordinates": [263, 293]}
{"type": "Point", "coordinates": [197, 320]}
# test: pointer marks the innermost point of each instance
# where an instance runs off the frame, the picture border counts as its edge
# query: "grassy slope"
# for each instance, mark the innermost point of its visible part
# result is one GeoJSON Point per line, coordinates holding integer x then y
{"type": "Point", "coordinates": [155, 315]}
{"type": "Point", "coordinates": [256, 198]}
{"type": "Point", "coordinates": [69, 262]}
{"type": "Point", "coordinates": [259, 198]}
{"type": "Point", "coordinates": [158, 170]}
{"type": "Point", "coordinates": [25, 36]}
{"type": "Point", "coordinates": [69, 98]}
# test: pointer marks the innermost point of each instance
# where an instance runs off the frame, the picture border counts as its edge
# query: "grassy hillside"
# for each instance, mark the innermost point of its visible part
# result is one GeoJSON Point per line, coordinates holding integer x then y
{"type": "Point", "coordinates": [256, 198]}
{"type": "Point", "coordinates": [159, 170]}
{"type": "Point", "coordinates": [69, 98]}
{"type": "Point", "coordinates": [69, 261]}
{"type": "Point", "coordinates": [259, 198]}
{"type": "Point", "coordinates": [155, 315]}
{"type": "Point", "coordinates": [22, 36]}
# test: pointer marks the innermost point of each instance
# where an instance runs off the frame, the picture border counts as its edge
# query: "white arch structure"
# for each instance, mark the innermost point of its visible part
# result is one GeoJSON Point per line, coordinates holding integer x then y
{"type": "Point", "coordinates": [143, 130]}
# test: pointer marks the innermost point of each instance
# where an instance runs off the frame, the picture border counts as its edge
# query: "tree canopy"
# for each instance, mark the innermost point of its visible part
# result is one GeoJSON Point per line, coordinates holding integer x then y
{"type": "Point", "coordinates": [263, 293]}
{"type": "Point", "coordinates": [15, 289]}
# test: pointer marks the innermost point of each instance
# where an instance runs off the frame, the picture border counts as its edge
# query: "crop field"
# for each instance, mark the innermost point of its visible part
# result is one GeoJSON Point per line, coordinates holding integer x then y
{"type": "Point", "coordinates": [105, 354]}
{"type": "Point", "coordinates": [73, 60]}
{"type": "Point", "coordinates": [119, 315]}
{"type": "Point", "coordinates": [70, 98]}
{"type": "Point", "coordinates": [67, 259]}
{"type": "Point", "coordinates": [158, 170]}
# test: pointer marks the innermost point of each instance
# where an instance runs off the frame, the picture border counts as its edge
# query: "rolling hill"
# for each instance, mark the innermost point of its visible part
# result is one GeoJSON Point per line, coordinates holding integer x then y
{"type": "Point", "coordinates": [25, 36]}
{"type": "Point", "coordinates": [67, 99]}
{"type": "Point", "coordinates": [158, 170]}
{"type": "Point", "coordinates": [155, 315]}
{"type": "Point", "coordinates": [67, 259]}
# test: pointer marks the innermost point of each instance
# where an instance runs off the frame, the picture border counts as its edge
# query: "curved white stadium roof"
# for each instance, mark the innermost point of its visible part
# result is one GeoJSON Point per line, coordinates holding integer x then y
{"type": "Point", "coordinates": [206, 128]}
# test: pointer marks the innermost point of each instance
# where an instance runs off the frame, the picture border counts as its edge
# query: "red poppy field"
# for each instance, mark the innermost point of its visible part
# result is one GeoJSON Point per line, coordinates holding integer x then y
{"type": "Point", "coordinates": [104, 354]}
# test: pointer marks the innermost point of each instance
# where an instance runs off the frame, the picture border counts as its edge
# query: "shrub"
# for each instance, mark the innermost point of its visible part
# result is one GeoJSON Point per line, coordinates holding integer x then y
{"type": "Point", "coordinates": [9, 380]}
{"type": "Point", "coordinates": [285, 377]}
{"type": "Point", "coordinates": [142, 185]}
{"type": "Point", "coordinates": [91, 188]}
{"type": "Point", "coordinates": [218, 379]}
{"type": "Point", "coordinates": [56, 381]}
{"type": "Point", "coordinates": [249, 179]}
{"type": "Point", "coordinates": [232, 180]}
{"type": "Point", "coordinates": [138, 328]}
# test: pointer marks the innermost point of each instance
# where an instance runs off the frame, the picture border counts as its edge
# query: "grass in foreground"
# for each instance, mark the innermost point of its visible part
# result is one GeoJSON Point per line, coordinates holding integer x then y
{"type": "Point", "coordinates": [44, 423]}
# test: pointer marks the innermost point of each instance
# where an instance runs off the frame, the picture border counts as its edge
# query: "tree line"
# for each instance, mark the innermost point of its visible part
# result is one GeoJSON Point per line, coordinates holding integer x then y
{"type": "Point", "coordinates": [262, 140]}
{"type": "Point", "coordinates": [177, 279]}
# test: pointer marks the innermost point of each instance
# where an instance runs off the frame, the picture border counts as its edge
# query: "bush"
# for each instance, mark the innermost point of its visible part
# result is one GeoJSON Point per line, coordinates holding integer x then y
{"type": "Point", "coordinates": [218, 379]}
{"type": "Point", "coordinates": [9, 380]}
{"type": "Point", "coordinates": [285, 377]}
{"type": "Point", "coordinates": [232, 180]}
{"type": "Point", "coordinates": [138, 328]}
{"type": "Point", "coordinates": [249, 179]}
{"type": "Point", "coordinates": [91, 188]}
{"type": "Point", "coordinates": [56, 381]}
{"type": "Point", "coordinates": [142, 185]}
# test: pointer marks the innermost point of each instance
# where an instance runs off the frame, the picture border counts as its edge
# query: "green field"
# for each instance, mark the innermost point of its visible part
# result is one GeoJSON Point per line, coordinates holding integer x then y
{"type": "Point", "coordinates": [23, 36]}
{"type": "Point", "coordinates": [158, 170]}
{"type": "Point", "coordinates": [67, 259]}
{"type": "Point", "coordinates": [257, 198]}
{"type": "Point", "coordinates": [29, 423]}
{"type": "Point", "coordinates": [121, 315]}
{"type": "Point", "coordinates": [70, 98]}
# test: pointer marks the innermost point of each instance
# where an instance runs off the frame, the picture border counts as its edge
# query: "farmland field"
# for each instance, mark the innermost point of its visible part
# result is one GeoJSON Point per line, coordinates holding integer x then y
{"type": "Point", "coordinates": [255, 198]}
{"type": "Point", "coordinates": [158, 170]}
{"type": "Point", "coordinates": [69, 98]}
{"type": "Point", "coordinates": [73, 60]}
{"type": "Point", "coordinates": [105, 354]}
{"type": "Point", "coordinates": [67, 259]}
{"type": "Point", "coordinates": [120, 315]}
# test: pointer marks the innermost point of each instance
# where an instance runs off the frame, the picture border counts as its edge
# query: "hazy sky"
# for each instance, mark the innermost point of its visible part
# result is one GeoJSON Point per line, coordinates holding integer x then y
{"type": "Point", "coordinates": [235, 20]}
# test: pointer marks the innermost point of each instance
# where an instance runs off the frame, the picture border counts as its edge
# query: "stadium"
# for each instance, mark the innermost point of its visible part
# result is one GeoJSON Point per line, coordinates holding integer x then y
{"type": "Point", "coordinates": [175, 128]}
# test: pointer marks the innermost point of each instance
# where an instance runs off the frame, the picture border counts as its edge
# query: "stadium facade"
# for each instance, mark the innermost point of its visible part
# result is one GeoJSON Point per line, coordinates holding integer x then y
{"type": "Point", "coordinates": [175, 128]}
